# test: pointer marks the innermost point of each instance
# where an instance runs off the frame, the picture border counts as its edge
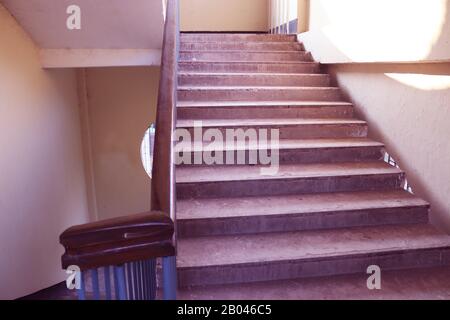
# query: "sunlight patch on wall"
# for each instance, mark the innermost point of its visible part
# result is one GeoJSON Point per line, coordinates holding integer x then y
{"type": "Point", "coordinates": [383, 29]}
{"type": "Point", "coordinates": [422, 81]}
{"type": "Point", "coordinates": [164, 9]}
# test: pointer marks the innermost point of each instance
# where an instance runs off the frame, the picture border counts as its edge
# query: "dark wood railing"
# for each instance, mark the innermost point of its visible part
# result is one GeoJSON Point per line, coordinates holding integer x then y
{"type": "Point", "coordinates": [163, 173]}
{"type": "Point", "coordinates": [129, 246]}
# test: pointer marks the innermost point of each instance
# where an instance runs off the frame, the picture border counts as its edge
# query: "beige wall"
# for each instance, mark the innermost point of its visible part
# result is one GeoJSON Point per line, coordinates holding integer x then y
{"type": "Point", "coordinates": [408, 108]}
{"type": "Point", "coordinates": [406, 104]}
{"type": "Point", "coordinates": [224, 15]}
{"type": "Point", "coordinates": [121, 104]}
{"type": "Point", "coordinates": [379, 31]}
{"type": "Point", "coordinates": [303, 15]}
{"type": "Point", "coordinates": [41, 167]}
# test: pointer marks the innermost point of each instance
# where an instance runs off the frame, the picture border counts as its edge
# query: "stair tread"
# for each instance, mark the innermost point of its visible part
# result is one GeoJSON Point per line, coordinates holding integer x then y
{"type": "Point", "coordinates": [182, 104]}
{"type": "Point", "coordinates": [192, 209]}
{"type": "Point", "coordinates": [183, 123]}
{"type": "Point", "coordinates": [256, 74]}
{"type": "Point", "coordinates": [250, 62]}
{"type": "Point", "coordinates": [300, 144]}
{"type": "Point", "coordinates": [241, 51]}
{"type": "Point", "coordinates": [255, 88]}
{"type": "Point", "coordinates": [410, 284]}
{"type": "Point", "coordinates": [306, 245]}
{"type": "Point", "coordinates": [229, 42]}
{"type": "Point", "coordinates": [190, 174]}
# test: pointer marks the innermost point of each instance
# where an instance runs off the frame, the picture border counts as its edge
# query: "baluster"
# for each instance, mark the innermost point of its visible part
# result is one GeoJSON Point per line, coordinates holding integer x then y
{"type": "Point", "coordinates": [119, 276]}
{"type": "Point", "coordinates": [152, 276]}
{"type": "Point", "coordinates": [135, 281]}
{"type": "Point", "coordinates": [169, 278]}
{"type": "Point", "coordinates": [129, 281]}
{"type": "Point", "coordinates": [82, 291]}
{"type": "Point", "coordinates": [145, 283]}
{"type": "Point", "coordinates": [107, 282]}
{"type": "Point", "coordinates": [139, 268]}
{"type": "Point", "coordinates": [95, 286]}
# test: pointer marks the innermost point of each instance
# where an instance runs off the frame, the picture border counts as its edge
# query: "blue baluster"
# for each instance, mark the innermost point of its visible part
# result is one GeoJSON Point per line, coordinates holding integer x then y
{"type": "Point", "coordinates": [169, 278]}
{"type": "Point", "coordinates": [135, 281]}
{"type": "Point", "coordinates": [95, 286]}
{"type": "Point", "coordinates": [82, 291]}
{"type": "Point", "coordinates": [144, 280]}
{"type": "Point", "coordinates": [138, 281]}
{"type": "Point", "coordinates": [107, 283]}
{"type": "Point", "coordinates": [147, 280]}
{"type": "Point", "coordinates": [152, 278]}
{"type": "Point", "coordinates": [129, 282]}
{"type": "Point", "coordinates": [116, 287]}
{"type": "Point", "coordinates": [141, 280]}
{"type": "Point", "coordinates": [119, 276]}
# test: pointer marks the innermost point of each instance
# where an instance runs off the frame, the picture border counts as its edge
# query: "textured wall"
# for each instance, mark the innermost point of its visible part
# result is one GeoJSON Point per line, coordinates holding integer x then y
{"type": "Point", "coordinates": [408, 108]}
{"type": "Point", "coordinates": [41, 165]}
{"type": "Point", "coordinates": [121, 106]}
{"type": "Point", "coordinates": [224, 15]}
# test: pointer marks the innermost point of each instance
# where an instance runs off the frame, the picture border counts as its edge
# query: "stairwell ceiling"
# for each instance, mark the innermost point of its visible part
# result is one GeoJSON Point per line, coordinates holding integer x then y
{"type": "Point", "coordinates": [105, 24]}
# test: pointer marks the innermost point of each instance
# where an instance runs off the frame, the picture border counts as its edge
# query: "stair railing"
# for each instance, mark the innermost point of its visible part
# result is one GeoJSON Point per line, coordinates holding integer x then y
{"type": "Point", "coordinates": [122, 253]}
{"type": "Point", "coordinates": [391, 161]}
{"type": "Point", "coordinates": [163, 172]}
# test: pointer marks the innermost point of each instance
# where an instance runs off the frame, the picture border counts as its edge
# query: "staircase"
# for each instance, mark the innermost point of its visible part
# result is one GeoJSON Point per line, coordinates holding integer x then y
{"type": "Point", "coordinates": [335, 207]}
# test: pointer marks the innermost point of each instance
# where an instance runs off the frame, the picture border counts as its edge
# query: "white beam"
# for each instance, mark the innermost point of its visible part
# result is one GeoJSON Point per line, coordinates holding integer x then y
{"type": "Point", "coordinates": [85, 58]}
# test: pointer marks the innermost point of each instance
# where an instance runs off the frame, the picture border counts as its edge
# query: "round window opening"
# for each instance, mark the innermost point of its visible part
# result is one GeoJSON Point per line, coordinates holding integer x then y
{"type": "Point", "coordinates": [148, 142]}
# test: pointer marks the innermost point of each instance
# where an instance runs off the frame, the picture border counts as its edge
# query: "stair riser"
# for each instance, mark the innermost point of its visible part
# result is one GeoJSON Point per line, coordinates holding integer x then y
{"type": "Point", "coordinates": [245, 46]}
{"type": "Point", "coordinates": [268, 271]}
{"type": "Point", "coordinates": [306, 156]}
{"type": "Point", "coordinates": [236, 37]}
{"type": "Point", "coordinates": [300, 222]}
{"type": "Point", "coordinates": [314, 80]}
{"type": "Point", "coordinates": [249, 67]}
{"type": "Point", "coordinates": [313, 131]}
{"type": "Point", "coordinates": [276, 112]}
{"type": "Point", "coordinates": [244, 56]}
{"type": "Point", "coordinates": [288, 186]}
{"type": "Point", "coordinates": [311, 94]}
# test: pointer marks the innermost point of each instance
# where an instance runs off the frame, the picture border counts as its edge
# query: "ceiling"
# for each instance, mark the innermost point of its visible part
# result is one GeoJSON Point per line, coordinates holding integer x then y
{"type": "Point", "coordinates": [105, 24]}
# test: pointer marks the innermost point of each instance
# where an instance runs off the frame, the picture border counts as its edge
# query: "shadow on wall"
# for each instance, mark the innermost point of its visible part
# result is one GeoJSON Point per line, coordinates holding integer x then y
{"type": "Point", "coordinates": [408, 108]}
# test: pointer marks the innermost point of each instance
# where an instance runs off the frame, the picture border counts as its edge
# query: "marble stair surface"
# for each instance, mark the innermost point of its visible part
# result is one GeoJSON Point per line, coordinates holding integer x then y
{"type": "Point", "coordinates": [332, 209]}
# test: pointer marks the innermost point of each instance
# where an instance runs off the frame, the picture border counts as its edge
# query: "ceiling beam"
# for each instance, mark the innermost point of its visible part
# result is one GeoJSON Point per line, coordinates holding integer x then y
{"type": "Point", "coordinates": [85, 58]}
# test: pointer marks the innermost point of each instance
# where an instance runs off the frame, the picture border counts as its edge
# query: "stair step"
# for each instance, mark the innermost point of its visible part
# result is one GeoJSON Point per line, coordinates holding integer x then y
{"type": "Point", "coordinates": [253, 79]}
{"type": "Point", "coordinates": [263, 109]}
{"type": "Point", "coordinates": [290, 255]}
{"type": "Point", "coordinates": [244, 46]}
{"type": "Point", "coordinates": [287, 128]}
{"type": "Point", "coordinates": [245, 55]}
{"type": "Point", "coordinates": [405, 284]}
{"type": "Point", "coordinates": [219, 37]}
{"type": "Point", "coordinates": [235, 181]}
{"type": "Point", "coordinates": [249, 66]}
{"type": "Point", "coordinates": [297, 151]}
{"type": "Point", "coordinates": [248, 93]}
{"type": "Point", "coordinates": [248, 215]}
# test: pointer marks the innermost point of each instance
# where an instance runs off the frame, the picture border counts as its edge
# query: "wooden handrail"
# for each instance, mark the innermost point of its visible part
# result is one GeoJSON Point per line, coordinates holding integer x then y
{"type": "Point", "coordinates": [163, 173]}
{"type": "Point", "coordinates": [118, 241]}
